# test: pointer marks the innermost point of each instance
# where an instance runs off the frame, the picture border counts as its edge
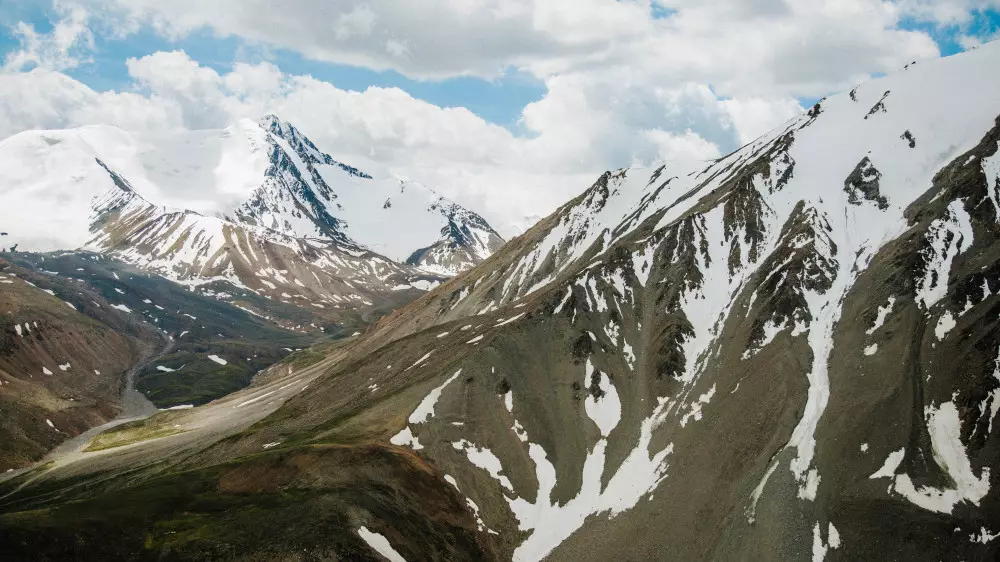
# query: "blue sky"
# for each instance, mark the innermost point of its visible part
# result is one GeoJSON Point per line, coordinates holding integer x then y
{"type": "Point", "coordinates": [498, 101]}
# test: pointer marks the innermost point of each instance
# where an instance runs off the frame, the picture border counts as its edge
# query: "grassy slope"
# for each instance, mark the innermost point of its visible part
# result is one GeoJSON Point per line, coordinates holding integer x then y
{"type": "Point", "coordinates": [303, 504]}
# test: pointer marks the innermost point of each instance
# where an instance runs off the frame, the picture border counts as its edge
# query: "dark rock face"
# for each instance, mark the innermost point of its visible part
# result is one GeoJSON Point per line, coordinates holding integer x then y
{"type": "Point", "coordinates": [305, 147]}
{"type": "Point", "coordinates": [879, 106]}
{"type": "Point", "coordinates": [466, 241]}
{"type": "Point", "coordinates": [309, 195]}
{"type": "Point", "coordinates": [862, 184]}
{"type": "Point", "coordinates": [296, 200]}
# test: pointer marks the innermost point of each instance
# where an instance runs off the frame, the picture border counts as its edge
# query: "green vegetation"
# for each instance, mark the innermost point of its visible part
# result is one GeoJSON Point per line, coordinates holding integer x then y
{"type": "Point", "coordinates": [160, 425]}
{"type": "Point", "coordinates": [300, 504]}
{"type": "Point", "coordinates": [196, 379]}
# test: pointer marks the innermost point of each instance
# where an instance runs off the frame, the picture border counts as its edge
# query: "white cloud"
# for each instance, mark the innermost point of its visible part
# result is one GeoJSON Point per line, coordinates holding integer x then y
{"type": "Point", "coordinates": [684, 146]}
{"type": "Point", "coordinates": [387, 131]}
{"type": "Point", "coordinates": [358, 21]}
{"type": "Point", "coordinates": [248, 79]}
{"type": "Point", "coordinates": [753, 117]}
{"type": "Point", "coordinates": [194, 89]}
{"type": "Point", "coordinates": [622, 87]}
{"type": "Point", "coordinates": [742, 47]}
{"type": "Point", "coordinates": [967, 41]}
{"type": "Point", "coordinates": [44, 99]}
{"type": "Point", "coordinates": [60, 49]}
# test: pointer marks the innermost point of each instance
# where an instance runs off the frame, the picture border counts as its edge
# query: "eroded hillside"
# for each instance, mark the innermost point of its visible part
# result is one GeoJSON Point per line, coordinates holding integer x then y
{"type": "Point", "coordinates": [787, 353]}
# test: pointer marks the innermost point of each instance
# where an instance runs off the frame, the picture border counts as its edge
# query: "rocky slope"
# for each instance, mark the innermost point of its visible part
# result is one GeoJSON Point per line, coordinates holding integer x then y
{"type": "Point", "coordinates": [61, 370]}
{"type": "Point", "coordinates": [789, 353]}
{"type": "Point", "coordinates": [84, 321]}
{"type": "Point", "coordinates": [345, 285]}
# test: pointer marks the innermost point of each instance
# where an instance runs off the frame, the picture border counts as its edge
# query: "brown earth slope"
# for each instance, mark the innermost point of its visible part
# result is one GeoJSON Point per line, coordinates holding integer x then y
{"type": "Point", "coordinates": [61, 372]}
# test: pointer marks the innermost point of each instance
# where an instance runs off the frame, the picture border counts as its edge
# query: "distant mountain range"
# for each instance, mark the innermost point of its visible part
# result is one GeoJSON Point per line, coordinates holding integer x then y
{"type": "Point", "coordinates": [310, 230]}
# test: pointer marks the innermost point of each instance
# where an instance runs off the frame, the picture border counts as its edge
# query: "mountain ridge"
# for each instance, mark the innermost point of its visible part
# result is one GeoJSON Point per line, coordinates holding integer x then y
{"type": "Point", "coordinates": [108, 211]}
{"type": "Point", "coordinates": [791, 352]}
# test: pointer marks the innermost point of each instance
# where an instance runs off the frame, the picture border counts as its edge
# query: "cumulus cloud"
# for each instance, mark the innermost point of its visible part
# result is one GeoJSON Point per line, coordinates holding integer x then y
{"type": "Point", "coordinates": [63, 48]}
{"type": "Point", "coordinates": [45, 99]}
{"type": "Point", "coordinates": [742, 47]}
{"type": "Point", "coordinates": [628, 82]}
{"type": "Point", "coordinates": [753, 117]}
{"type": "Point", "coordinates": [174, 77]}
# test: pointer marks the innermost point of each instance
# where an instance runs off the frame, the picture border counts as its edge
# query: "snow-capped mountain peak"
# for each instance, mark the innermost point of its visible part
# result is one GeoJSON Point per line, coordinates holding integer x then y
{"type": "Point", "coordinates": [304, 147]}
{"type": "Point", "coordinates": [293, 197]}
{"type": "Point", "coordinates": [307, 193]}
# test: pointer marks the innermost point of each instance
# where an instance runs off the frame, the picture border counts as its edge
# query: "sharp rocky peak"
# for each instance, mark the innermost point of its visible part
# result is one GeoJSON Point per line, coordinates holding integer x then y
{"type": "Point", "coordinates": [302, 146]}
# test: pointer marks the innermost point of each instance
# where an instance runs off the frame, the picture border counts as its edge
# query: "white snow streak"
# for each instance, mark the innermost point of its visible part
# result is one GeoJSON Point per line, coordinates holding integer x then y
{"type": "Point", "coordinates": [425, 410]}
{"type": "Point", "coordinates": [380, 544]}
{"type": "Point", "coordinates": [219, 360]}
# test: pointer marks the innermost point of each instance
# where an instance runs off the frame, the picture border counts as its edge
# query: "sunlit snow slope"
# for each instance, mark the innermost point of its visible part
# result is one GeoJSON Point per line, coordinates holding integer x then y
{"type": "Point", "coordinates": [266, 176]}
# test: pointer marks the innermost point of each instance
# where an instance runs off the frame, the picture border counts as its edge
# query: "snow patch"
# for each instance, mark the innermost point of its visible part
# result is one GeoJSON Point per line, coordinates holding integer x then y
{"type": "Point", "coordinates": [380, 545]}
{"type": "Point", "coordinates": [890, 465]}
{"type": "Point", "coordinates": [508, 321]}
{"type": "Point", "coordinates": [944, 325]}
{"type": "Point", "coordinates": [696, 406]}
{"type": "Point", "coordinates": [605, 410]}
{"type": "Point", "coordinates": [425, 410]}
{"type": "Point", "coordinates": [217, 359]}
{"type": "Point", "coordinates": [484, 458]}
{"type": "Point", "coordinates": [948, 237]}
{"type": "Point", "coordinates": [406, 438]}
{"type": "Point", "coordinates": [421, 360]}
{"type": "Point", "coordinates": [944, 427]}
{"type": "Point", "coordinates": [984, 536]}
{"type": "Point", "coordinates": [883, 313]}
{"type": "Point", "coordinates": [820, 548]}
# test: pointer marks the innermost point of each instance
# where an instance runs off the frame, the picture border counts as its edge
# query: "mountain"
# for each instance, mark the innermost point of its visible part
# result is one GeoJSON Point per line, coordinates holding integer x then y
{"type": "Point", "coordinates": [61, 194]}
{"type": "Point", "coordinates": [306, 193]}
{"type": "Point", "coordinates": [791, 352]}
{"type": "Point", "coordinates": [86, 189]}
{"type": "Point", "coordinates": [78, 328]}
{"type": "Point", "coordinates": [266, 177]}
{"type": "Point", "coordinates": [60, 369]}
{"type": "Point", "coordinates": [290, 241]}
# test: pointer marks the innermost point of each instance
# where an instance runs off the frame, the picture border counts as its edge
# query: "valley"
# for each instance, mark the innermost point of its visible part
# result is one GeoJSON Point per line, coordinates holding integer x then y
{"type": "Point", "coordinates": [791, 352]}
